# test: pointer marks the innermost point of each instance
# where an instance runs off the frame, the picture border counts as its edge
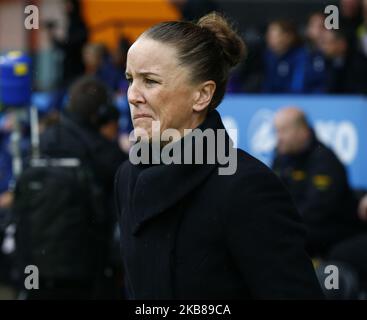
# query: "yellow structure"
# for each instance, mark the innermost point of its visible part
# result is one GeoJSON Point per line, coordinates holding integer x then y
{"type": "Point", "coordinates": [108, 20]}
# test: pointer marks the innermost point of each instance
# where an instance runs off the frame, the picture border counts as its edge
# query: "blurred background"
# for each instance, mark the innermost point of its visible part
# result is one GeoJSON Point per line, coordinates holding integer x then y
{"type": "Point", "coordinates": [292, 60]}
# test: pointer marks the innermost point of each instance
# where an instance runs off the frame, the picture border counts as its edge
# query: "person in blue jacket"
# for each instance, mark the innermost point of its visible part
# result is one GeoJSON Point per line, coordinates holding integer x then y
{"type": "Point", "coordinates": [284, 59]}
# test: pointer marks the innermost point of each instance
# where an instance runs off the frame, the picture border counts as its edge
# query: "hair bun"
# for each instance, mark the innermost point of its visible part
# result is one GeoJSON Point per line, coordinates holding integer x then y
{"type": "Point", "coordinates": [233, 46]}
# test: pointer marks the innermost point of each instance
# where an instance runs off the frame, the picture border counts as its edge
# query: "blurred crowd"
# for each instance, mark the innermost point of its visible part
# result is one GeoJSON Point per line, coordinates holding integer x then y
{"type": "Point", "coordinates": [309, 59]}
{"type": "Point", "coordinates": [284, 57]}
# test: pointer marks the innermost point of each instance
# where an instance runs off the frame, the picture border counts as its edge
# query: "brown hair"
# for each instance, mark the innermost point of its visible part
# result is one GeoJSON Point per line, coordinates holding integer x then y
{"type": "Point", "coordinates": [209, 47]}
{"type": "Point", "coordinates": [87, 95]}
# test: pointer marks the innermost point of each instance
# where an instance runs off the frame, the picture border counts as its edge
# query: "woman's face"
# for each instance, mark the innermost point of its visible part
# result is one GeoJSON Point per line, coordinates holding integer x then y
{"type": "Point", "coordinates": [159, 88]}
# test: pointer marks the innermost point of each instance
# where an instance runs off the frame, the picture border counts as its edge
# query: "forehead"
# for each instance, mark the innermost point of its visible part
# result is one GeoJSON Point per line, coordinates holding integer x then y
{"type": "Point", "coordinates": [151, 56]}
{"type": "Point", "coordinates": [284, 119]}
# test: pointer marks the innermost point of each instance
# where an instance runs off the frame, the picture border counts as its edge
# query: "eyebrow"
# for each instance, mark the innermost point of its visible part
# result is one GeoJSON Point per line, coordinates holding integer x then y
{"type": "Point", "coordinates": [144, 74]}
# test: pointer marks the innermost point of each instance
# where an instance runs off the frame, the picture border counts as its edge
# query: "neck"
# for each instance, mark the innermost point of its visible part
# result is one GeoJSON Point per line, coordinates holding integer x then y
{"type": "Point", "coordinates": [195, 121]}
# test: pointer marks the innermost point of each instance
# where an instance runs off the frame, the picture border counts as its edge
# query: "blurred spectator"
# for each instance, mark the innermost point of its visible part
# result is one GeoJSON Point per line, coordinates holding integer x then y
{"type": "Point", "coordinates": [317, 181]}
{"type": "Point", "coordinates": [92, 58]}
{"type": "Point", "coordinates": [248, 76]}
{"type": "Point", "coordinates": [125, 124]}
{"type": "Point", "coordinates": [109, 68]}
{"type": "Point", "coordinates": [350, 19]}
{"type": "Point", "coordinates": [75, 250]}
{"type": "Point", "coordinates": [71, 46]}
{"type": "Point", "coordinates": [353, 251]}
{"type": "Point", "coordinates": [315, 69]}
{"type": "Point", "coordinates": [284, 59]}
{"type": "Point", "coordinates": [347, 69]}
{"type": "Point", "coordinates": [314, 29]}
{"type": "Point", "coordinates": [119, 56]}
{"type": "Point", "coordinates": [99, 64]}
{"type": "Point", "coordinates": [109, 123]}
{"type": "Point", "coordinates": [194, 9]}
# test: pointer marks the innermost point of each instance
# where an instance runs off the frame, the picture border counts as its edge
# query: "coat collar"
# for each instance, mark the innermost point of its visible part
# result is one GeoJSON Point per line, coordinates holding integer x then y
{"type": "Point", "coordinates": [152, 189]}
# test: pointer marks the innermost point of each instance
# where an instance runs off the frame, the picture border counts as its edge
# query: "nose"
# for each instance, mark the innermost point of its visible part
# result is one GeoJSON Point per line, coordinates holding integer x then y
{"type": "Point", "coordinates": [134, 94]}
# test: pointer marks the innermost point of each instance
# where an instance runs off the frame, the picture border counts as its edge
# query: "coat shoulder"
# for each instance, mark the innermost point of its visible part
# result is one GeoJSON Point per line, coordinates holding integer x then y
{"type": "Point", "coordinates": [255, 186]}
{"type": "Point", "coordinates": [250, 170]}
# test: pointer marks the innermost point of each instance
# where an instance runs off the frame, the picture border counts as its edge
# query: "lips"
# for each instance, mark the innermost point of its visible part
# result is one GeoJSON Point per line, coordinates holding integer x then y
{"type": "Point", "coordinates": [142, 115]}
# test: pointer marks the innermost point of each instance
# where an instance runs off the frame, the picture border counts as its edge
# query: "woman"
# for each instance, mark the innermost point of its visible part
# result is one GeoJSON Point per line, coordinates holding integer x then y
{"type": "Point", "coordinates": [188, 232]}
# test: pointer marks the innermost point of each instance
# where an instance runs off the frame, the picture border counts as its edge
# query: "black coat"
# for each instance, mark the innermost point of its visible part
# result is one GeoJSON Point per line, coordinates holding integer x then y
{"type": "Point", "coordinates": [189, 233]}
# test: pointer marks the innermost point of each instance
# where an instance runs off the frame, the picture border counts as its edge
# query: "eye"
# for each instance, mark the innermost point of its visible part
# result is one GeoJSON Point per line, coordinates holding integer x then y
{"type": "Point", "coordinates": [150, 81]}
{"type": "Point", "coordinates": [128, 78]}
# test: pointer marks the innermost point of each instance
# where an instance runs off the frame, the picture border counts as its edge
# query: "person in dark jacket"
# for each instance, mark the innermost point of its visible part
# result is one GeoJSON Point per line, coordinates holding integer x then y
{"type": "Point", "coordinates": [90, 109]}
{"type": "Point", "coordinates": [346, 68]}
{"type": "Point", "coordinates": [351, 17]}
{"type": "Point", "coordinates": [77, 237]}
{"type": "Point", "coordinates": [353, 250]}
{"type": "Point", "coordinates": [210, 229]}
{"type": "Point", "coordinates": [317, 181]}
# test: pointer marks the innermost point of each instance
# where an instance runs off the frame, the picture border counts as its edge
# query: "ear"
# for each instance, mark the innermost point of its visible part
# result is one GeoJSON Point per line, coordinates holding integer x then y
{"type": "Point", "coordinates": [204, 95]}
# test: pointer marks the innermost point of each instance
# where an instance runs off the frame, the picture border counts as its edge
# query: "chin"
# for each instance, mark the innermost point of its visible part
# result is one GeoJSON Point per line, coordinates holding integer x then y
{"type": "Point", "coordinates": [143, 132]}
{"type": "Point", "coordinates": [143, 124]}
